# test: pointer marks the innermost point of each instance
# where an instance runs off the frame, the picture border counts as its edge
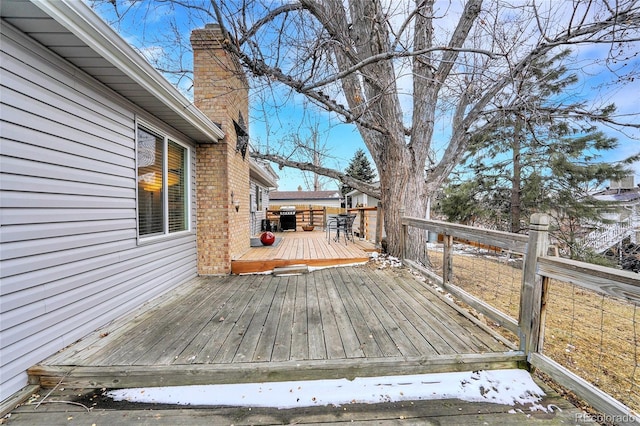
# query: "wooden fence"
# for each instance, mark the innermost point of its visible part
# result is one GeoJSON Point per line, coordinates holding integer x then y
{"type": "Point", "coordinates": [312, 216]}
{"type": "Point", "coordinates": [369, 222]}
{"type": "Point", "coordinates": [538, 270]}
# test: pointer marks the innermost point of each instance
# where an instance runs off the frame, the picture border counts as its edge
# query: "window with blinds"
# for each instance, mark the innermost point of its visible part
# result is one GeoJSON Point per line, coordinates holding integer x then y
{"type": "Point", "coordinates": [177, 187]}
{"type": "Point", "coordinates": [162, 184]}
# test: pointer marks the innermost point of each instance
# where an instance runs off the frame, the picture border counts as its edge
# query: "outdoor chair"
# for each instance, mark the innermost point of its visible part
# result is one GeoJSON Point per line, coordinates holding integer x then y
{"type": "Point", "coordinates": [340, 224]}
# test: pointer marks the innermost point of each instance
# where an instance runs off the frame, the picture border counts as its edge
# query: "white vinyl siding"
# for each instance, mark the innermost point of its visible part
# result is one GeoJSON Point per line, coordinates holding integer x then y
{"type": "Point", "coordinates": [259, 199]}
{"type": "Point", "coordinates": [70, 261]}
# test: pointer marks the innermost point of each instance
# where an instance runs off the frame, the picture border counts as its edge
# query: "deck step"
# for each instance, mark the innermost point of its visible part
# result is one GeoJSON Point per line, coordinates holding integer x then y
{"type": "Point", "coordinates": [291, 269]}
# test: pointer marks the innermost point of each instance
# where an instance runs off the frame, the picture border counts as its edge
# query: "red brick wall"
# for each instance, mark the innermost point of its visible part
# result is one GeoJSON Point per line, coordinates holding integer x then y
{"type": "Point", "coordinates": [221, 92]}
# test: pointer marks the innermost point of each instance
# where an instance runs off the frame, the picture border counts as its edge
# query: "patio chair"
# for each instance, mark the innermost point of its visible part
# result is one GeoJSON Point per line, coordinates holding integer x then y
{"type": "Point", "coordinates": [333, 224]}
{"type": "Point", "coordinates": [341, 223]}
{"type": "Point", "coordinates": [348, 227]}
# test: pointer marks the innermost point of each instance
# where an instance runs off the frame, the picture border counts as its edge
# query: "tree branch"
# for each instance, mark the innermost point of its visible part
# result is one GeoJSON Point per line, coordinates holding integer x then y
{"type": "Point", "coordinates": [385, 56]}
{"type": "Point", "coordinates": [366, 188]}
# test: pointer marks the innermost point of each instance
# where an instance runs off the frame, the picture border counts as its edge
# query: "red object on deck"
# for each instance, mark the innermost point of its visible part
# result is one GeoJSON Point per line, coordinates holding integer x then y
{"type": "Point", "coordinates": [267, 238]}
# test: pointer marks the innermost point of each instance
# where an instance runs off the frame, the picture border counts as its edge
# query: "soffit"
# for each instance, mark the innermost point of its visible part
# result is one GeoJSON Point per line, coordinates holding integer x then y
{"type": "Point", "coordinates": [84, 40]}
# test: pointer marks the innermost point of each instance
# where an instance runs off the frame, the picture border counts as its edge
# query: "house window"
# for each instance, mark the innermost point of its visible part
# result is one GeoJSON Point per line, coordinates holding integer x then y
{"type": "Point", "coordinates": [162, 184]}
{"type": "Point", "coordinates": [258, 198]}
{"type": "Point", "coordinates": [177, 188]}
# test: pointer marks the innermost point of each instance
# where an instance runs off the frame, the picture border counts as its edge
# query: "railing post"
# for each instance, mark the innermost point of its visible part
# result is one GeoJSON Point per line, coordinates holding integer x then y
{"type": "Point", "coordinates": [531, 294]}
{"type": "Point", "coordinates": [403, 235]}
{"type": "Point", "coordinates": [324, 218]}
{"type": "Point", "coordinates": [379, 219]}
{"type": "Point", "coordinates": [447, 259]}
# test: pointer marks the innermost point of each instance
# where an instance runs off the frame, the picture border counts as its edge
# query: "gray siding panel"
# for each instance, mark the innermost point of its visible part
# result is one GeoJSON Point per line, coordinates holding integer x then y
{"type": "Point", "coordinates": [70, 260]}
{"type": "Point", "coordinates": [44, 247]}
{"type": "Point", "coordinates": [47, 185]}
{"type": "Point", "coordinates": [22, 167]}
{"type": "Point", "coordinates": [44, 230]}
{"type": "Point", "coordinates": [73, 161]}
{"type": "Point", "coordinates": [68, 306]}
{"type": "Point", "coordinates": [137, 268]}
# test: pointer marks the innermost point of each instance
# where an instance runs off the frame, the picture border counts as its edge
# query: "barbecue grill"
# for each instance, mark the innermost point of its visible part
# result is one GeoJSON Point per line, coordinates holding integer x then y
{"type": "Point", "coordinates": [288, 218]}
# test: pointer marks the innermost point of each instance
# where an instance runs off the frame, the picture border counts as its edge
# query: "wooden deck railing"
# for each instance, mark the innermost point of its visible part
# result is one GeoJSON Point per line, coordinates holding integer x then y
{"type": "Point", "coordinates": [538, 270]}
{"type": "Point", "coordinates": [369, 222]}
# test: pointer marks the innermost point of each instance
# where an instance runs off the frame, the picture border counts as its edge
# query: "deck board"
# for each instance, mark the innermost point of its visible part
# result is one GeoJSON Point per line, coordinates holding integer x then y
{"type": "Point", "coordinates": [282, 339]}
{"type": "Point", "coordinates": [356, 318]}
{"type": "Point", "coordinates": [203, 346]}
{"type": "Point", "coordinates": [402, 342]}
{"type": "Point", "coordinates": [413, 336]}
{"type": "Point", "coordinates": [413, 314]}
{"type": "Point", "coordinates": [364, 332]}
{"type": "Point", "coordinates": [348, 336]}
{"type": "Point", "coordinates": [253, 328]}
{"type": "Point", "coordinates": [237, 326]}
{"type": "Point", "coordinates": [378, 334]}
{"type": "Point", "coordinates": [299, 340]}
{"type": "Point", "coordinates": [462, 328]}
{"type": "Point", "coordinates": [267, 339]}
{"type": "Point", "coordinates": [315, 334]}
{"type": "Point", "coordinates": [334, 347]}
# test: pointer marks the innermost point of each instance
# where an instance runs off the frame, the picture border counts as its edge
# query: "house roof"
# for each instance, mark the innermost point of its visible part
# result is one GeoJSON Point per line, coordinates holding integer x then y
{"type": "Point", "coordinates": [357, 191]}
{"type": "Point", "coordinates": [304, 195]}
{"type": "Point", "coordinates": [618, 195]}
{"type": "Point", "coordinates": [72, 30]}
{"type": "Point", "coordinates": [262, 172]}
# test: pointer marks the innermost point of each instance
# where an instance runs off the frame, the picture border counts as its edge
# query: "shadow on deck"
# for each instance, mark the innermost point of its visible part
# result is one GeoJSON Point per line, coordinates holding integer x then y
{"type": "Point", "coordinates": [331, 323]}
{"type": "Point", "coordinates": [302, 248]}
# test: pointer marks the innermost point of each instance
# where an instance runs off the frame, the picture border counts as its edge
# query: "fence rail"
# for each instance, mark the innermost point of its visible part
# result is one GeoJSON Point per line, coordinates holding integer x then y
{"type": "Point", "coordinates": [311, 216]}
{"type": "Point", "coordinates": [537, 272]}
{"type": "Point", "coordinates": [515, 243]}
{"type": "Point", "coordinates": [369, 222]}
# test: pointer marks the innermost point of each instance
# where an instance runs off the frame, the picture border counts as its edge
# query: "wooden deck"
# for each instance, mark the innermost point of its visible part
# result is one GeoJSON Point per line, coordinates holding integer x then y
{"type": "Point", "coordinates": [307, 248]}
{"type": "Point", "coordinates": [331, 323]}
{"type": "Point", "coordinates": [337, 322]}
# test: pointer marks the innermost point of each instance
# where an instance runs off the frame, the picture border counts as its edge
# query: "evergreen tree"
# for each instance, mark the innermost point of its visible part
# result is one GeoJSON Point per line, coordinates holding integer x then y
{"type": "Point", "coordinates": [539, 158]}
{"type": "Point", "coordinates": [359, 168]}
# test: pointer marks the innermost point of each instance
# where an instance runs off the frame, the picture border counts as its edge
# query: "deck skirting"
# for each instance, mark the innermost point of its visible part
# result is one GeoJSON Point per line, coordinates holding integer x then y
{"type": "Point", "coordinates": [259, 372]}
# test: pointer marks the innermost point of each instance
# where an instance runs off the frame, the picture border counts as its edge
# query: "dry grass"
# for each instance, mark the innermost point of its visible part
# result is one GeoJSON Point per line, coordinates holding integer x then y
{"type": "Point", "coordinates": [594, 336]}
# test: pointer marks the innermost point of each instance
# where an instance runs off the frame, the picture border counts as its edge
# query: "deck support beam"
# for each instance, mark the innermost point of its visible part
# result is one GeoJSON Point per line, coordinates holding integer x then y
{"type": "Point", "coordinates": [258, 372]}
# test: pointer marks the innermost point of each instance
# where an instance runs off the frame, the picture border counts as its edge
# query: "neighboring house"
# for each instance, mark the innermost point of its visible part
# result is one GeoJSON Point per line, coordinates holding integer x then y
{"type": "Point", "coordinates": [115, 188]}
{"type": "Point", "coordinates": [357, 198]}
{"type": "Point", "coordinates": [624, 215]}
{"type": "Point", "coordinates": [304, 199]}
{"type": "Point", "coordinates": [366, 223]}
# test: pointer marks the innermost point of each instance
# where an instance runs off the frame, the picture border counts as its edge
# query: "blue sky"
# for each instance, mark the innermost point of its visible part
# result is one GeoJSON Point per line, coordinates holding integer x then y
{"type": "Point", "coordinates": [342, 140]}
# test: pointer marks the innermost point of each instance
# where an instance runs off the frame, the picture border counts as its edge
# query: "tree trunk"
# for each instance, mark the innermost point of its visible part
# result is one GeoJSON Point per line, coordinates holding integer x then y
{"type": "Point", "coordinates": [404, 187]}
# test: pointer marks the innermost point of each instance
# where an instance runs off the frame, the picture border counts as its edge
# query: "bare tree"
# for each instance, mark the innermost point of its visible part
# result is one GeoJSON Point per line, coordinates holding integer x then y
{"type": "Point", "coordinates": [305, 146]}
{"type": "Point", "coordinates": [416, 78]}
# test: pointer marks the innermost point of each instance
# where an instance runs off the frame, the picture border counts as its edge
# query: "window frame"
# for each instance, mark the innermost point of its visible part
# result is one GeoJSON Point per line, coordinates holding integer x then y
{"type": "Point", "coordinates": [166, 138]}
{"type": "Point", "coordinates": [258, 196]}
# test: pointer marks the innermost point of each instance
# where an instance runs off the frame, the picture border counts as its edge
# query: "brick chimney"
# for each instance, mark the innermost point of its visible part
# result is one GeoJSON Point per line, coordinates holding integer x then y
{"type": "Point", "coordinates": [221, 91]}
